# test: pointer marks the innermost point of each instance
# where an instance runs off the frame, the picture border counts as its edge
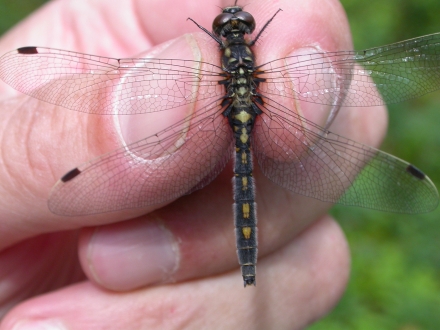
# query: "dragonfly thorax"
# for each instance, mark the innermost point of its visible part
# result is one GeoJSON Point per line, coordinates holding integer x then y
{"type": "Point", "coordinates": [237, 56]}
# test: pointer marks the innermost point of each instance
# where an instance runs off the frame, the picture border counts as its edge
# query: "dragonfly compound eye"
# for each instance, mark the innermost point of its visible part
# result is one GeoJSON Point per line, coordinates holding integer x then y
{"type": "Point", "coordinates": [233, 19]}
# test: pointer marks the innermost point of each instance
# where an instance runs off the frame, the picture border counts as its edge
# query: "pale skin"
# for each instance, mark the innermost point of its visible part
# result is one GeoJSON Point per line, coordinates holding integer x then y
{"type": "Point", "coordinates": [128, 259]}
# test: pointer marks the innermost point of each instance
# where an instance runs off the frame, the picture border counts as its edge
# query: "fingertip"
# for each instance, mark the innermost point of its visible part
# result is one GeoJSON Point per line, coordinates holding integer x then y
{"type": "Point", "coordinates": [301, 24]}
{"type": "Point", "coordinates": [129, 255]}
{"type": "Point", "coordinates": [145, 119]}
{"type": "Point", "coordinates": [310, 273]}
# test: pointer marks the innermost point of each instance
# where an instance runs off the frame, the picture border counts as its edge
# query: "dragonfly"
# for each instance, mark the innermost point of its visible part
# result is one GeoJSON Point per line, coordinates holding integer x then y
{"type": "Point", "coordinates": [238, 114]}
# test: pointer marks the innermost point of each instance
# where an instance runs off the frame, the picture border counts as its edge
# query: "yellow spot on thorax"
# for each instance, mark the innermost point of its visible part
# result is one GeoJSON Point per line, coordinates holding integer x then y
{"type": "Point", "coordinates": [241, 81]}
{"type": "Point", "coordinates": [242, 91]}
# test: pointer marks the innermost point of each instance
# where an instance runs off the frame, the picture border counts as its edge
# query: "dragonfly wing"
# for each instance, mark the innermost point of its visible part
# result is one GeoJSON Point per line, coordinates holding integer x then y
{"type": "Point", "coordinates": [309, 160]}
{"type": "Point", "coordinates": [376, 76]}
{"type": "Point", "coordinates": [102, 85]}
{"type": "Point", "coordinates": [157, 169]}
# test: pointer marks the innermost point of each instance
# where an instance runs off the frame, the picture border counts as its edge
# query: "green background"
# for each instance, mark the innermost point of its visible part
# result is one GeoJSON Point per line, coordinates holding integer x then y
{"type": "Point", "coordinates": [395, 281]}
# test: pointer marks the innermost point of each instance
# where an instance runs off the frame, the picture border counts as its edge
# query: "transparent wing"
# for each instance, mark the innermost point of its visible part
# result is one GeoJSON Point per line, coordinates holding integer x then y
{"type": "Point", "coordinates": [293, 152]}
{"type": "Point", "coordinates": [102, 85]}
{"type": "Point", "coordinates": [154, 170]}
{"type": "Point", "coordinates": [306, 159]}
{"type": "Point", "coordinates": [94, 84]}
{"type": "Point", "coordinates": [375, 76]}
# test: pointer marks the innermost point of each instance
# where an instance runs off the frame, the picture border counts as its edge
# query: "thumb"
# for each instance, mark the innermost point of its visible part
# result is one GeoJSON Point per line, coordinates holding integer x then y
{"type": "Point", "coordinates": [41, 142]}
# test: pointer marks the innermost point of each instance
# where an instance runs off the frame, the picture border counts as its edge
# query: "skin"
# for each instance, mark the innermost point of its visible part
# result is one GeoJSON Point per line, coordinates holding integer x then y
{"type": "Point", "coordinates": [175, 266]}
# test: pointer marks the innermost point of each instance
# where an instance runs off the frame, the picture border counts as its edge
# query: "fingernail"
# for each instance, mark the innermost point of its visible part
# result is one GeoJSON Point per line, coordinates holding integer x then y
{"type": "Point", "coordinates": [50, 324]}
{"type": "Point", "coordinates": [313, 83]}
{"type": "Point", "coordinates": [132, 254]}
{"type": "Point", "coordinates": [158, 97]}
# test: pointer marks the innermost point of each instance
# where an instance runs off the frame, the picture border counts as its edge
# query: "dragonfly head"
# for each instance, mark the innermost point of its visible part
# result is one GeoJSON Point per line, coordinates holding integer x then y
{"type": "Point", "coordinates": [233, 19]}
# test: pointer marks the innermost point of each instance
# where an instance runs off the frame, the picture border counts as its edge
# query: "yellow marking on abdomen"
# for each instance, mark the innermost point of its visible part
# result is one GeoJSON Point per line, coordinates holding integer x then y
{"type": "Point", "coordinates": [244, 137]}
{"type": "Point", "coordinates": [243, 158]}
{"type": "Point", "coordinates": [243, 116]}
{"type": "Point", "coordinates": [246, 210]}
{"type": "Point", "coordinates": [246, 232]}
{"type": "Point", "coordinates": [244, 182]}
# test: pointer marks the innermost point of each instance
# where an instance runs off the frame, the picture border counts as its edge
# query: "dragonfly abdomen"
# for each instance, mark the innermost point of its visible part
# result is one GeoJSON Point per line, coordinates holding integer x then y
{"type": "Point", "coordinates": [244, 194]}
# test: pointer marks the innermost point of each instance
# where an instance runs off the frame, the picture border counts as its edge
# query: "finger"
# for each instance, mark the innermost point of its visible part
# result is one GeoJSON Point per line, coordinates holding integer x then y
{"type": "Point", "coordinates": [129, 27]}
{"type": "Point", "coordinates": [38, 265]}
{"type": "Point", "coordinates": [303, 282]}
{"type": "Point", "coordinates": [305, 28]}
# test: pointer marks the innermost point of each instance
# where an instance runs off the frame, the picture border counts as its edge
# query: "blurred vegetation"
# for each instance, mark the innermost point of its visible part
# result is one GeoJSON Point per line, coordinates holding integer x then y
{"type": "Point", "coordinates": [14, 11]}
{"type": "Point", "coordinates": [395, 282]}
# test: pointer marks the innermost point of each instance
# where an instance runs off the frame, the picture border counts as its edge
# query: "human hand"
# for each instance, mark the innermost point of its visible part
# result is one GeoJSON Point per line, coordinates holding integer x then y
{"type": "Point", "coordinates": [303, 264]}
